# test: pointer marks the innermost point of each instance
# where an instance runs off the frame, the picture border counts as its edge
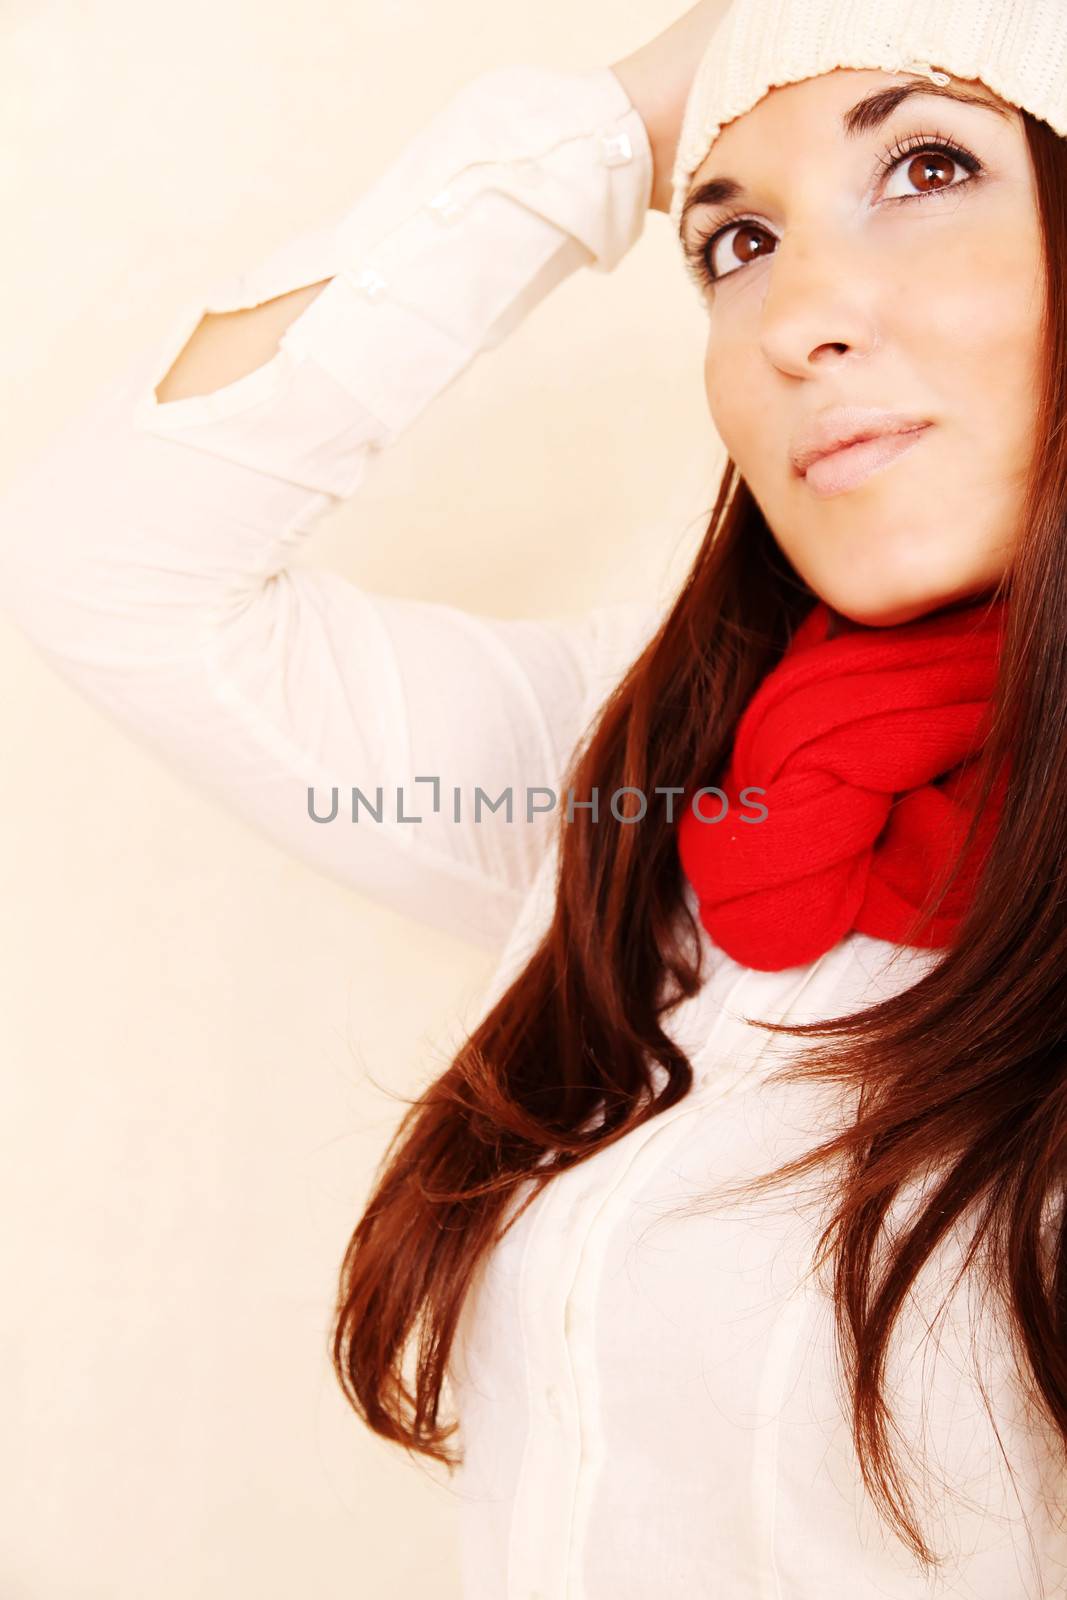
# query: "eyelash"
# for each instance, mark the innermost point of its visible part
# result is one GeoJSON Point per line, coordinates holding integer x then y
{"type": "Point", "coordinates": [698, 250]}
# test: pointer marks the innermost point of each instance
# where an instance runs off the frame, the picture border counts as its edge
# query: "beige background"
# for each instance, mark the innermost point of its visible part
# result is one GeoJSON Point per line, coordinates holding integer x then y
{"type": "Point", "coordinates": [188, 1016]}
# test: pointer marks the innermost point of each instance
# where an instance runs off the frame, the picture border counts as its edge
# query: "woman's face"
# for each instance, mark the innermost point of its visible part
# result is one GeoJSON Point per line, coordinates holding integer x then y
{"type": "Point", "coordinates": [873, 269]}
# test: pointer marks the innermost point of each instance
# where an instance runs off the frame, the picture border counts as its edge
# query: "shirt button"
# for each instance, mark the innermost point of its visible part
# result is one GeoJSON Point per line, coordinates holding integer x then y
{"type": "Point", "coordinates": [615, 149]}
{"type": "Point", "coordinates": [368, 282]}
{"type": "Point", "coordinates": [445, 206]}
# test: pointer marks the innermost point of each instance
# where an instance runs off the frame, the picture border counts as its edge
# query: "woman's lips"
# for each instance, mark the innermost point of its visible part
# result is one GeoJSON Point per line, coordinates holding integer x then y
{"type": "Point", "coordinates": [845, 469]}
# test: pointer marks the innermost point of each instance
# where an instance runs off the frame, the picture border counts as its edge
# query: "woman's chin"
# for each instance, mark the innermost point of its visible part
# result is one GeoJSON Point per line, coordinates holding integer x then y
{"type": "Point", "coordinates": [886, 613]}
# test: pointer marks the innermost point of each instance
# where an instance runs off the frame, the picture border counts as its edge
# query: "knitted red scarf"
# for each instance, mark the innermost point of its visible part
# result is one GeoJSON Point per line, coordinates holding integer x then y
{"type": "Point", "coordinates": [864, 744]}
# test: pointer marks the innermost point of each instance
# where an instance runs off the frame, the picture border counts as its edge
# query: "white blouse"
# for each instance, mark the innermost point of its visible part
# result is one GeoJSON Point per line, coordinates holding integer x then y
{"type": "Point", "coordinates": [647, 1399]}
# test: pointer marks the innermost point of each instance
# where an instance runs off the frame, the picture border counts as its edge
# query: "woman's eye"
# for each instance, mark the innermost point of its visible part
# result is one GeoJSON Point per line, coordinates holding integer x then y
{"type": "Point", "coordinates": [929, 170]}
{"type": "Point", "coordinates": [744, 248]}
{"type": "Point", "coordinates": [923, 171]}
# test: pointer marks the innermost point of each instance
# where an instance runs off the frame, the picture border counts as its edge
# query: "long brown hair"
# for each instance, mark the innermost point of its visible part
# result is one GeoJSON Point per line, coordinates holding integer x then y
{"type": "Point", "coordinates": [965, 1071]}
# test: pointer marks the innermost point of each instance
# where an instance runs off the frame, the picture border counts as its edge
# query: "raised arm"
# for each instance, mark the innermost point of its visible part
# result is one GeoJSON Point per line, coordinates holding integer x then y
{"type": "Point", "coordinates": [148, 552]}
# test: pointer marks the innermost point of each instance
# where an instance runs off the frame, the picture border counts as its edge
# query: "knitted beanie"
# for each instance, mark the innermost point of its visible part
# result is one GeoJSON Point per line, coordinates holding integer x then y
{"type": "Point", "coordinates": [1017, 48]}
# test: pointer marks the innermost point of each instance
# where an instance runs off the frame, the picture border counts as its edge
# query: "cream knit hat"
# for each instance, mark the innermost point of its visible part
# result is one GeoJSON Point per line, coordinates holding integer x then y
{"type": "Point", "coordinates": [1018, 48]}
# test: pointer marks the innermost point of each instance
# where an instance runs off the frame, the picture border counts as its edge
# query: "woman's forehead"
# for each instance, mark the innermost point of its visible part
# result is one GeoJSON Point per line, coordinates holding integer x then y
{"type": "Point", "coordinates": [859, 97]}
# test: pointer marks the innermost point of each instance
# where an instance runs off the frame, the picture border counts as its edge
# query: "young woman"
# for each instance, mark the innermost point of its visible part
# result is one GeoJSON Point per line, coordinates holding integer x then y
{"type": "Point", "coordinates": [735, 1230]}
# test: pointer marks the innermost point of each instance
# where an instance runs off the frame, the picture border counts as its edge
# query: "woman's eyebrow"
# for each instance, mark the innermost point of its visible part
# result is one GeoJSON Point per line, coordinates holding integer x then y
{"type": "Point", "coordinates": [866, 115]}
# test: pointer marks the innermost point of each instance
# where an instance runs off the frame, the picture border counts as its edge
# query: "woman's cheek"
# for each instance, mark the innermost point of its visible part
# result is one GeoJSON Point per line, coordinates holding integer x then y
{"type": "Point", "coordinates": [735, 412]}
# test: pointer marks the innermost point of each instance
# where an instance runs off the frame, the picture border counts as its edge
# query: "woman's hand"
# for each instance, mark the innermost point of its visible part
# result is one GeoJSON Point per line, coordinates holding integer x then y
{"type": "Point", "coordinates": [657, 79]}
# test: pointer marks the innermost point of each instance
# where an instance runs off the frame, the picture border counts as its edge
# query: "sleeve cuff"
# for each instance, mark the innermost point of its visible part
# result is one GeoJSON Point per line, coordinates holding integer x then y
{"type": "Point", "coordinates": [525, 175]}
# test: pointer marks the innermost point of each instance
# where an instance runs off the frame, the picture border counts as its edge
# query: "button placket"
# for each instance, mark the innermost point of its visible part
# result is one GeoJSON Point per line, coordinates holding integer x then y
{"type": "Point", "coordinates": [539, 1536]}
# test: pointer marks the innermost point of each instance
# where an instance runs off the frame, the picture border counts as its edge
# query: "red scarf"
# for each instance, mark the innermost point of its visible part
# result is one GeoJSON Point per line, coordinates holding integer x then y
{"type": "Point", "coordinates": [864, 744]}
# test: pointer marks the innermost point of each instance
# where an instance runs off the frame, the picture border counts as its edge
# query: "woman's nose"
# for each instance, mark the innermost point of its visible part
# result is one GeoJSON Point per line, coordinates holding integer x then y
{"type": "Point", "coordinates": [819, 299]}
